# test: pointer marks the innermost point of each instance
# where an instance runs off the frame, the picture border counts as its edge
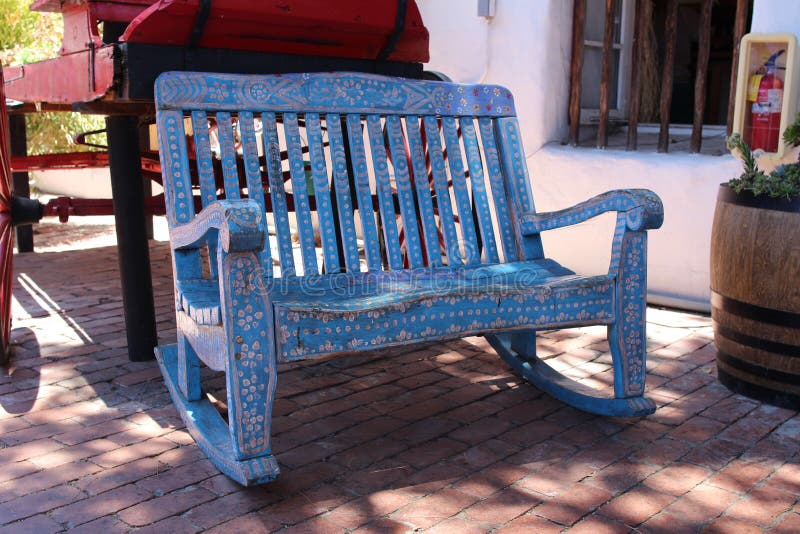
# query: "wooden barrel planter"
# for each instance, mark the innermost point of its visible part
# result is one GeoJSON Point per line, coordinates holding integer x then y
{"type": "Point", "coordinates": [755, 295]}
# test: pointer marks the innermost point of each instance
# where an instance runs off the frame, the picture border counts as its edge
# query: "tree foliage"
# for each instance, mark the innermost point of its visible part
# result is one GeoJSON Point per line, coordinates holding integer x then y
{"type": "Point", "coordinates": [27, 36]}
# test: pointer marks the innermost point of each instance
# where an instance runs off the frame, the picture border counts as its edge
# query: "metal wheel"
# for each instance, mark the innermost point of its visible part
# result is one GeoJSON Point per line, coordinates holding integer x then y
{"type": "Point", "coordinates": [6, 229]}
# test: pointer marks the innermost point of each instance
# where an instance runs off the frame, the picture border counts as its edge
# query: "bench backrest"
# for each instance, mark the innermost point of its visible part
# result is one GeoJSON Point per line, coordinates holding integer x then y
{"type": "Point", "coordinates": [428, 173]}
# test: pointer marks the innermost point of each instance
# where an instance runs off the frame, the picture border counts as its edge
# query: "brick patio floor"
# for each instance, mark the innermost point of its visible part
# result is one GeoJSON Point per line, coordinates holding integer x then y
{"type": "Point", "coordinates": [441, 438]}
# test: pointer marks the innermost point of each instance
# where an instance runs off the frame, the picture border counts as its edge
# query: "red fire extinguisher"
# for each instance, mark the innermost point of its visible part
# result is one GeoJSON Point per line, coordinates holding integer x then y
{"type": "Point", "coordinates": [766, 108]}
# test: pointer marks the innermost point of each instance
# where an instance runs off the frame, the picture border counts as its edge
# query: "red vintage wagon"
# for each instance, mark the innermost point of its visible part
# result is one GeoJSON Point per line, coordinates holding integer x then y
{"type": "Point", "coordinates": [112, 52]}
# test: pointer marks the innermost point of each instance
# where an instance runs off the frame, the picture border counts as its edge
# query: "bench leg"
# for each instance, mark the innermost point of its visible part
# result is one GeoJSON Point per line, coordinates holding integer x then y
{"type": "Point", "coordinates": [188, 369]}
{"type": "Point", "coordinates": [627, 337]}
{"type": "Point", "coordinates": [524, 344]}
{"type": "Point", "coordinates": [251, 364]}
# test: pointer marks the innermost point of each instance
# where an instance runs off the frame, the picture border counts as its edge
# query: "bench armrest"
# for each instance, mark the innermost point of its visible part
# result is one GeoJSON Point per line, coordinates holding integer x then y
{"type": "Point", "coordinates": [240, 224]}
{"type": "Point", "coordinates": [642, 208]}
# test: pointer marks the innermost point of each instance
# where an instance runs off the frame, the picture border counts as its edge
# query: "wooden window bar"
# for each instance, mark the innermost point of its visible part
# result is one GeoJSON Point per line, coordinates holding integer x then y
{"type": "Point", "coordinates": [670, 36]}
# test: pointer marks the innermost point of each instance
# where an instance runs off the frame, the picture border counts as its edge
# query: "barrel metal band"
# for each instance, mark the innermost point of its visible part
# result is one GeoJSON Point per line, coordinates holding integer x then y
{"type": "Point", "coordinates": [784, 349]}
{"type": "Point", "coordinates": [757, 370]}
{"type": "Point", "coordinates": [754, 312]}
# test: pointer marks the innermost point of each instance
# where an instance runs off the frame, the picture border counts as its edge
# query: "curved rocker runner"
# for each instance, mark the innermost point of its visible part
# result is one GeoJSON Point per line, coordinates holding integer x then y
{"type": "Point", "coordinates": [424, 229]}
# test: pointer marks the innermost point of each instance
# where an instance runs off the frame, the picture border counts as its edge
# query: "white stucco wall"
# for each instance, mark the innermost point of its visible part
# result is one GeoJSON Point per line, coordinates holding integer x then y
{"type": "Point", "coordinates": [523, 47]}
{"type": "Point", "coordinates": [678, 253]}
{"type": "Point", "coordinates": [526, 47]}
{"type": "Point", "coordinates": [773, 16]}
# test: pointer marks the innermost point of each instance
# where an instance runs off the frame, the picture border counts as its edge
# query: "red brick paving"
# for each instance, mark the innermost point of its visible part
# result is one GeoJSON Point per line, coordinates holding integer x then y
{"type": "Point", "coordinates": [442, 438]}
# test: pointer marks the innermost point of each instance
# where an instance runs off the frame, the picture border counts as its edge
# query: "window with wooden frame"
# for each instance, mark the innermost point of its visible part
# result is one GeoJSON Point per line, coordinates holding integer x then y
{"type": "Point", "coordinates": [667, 65]}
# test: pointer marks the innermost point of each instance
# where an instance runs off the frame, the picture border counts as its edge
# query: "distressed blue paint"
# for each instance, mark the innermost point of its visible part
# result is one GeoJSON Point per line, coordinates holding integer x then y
{"type": "Point", "coordinates": [322, 193]}
{"type": "Point", "coordinates": [391, 236]}
{"type": "Point", "coordinates": [272, 152]}
{"type": "Point", "coordinates": [341, 182]}
{"type": "Point", "coordinates": [456, 163]}
{"type": "Point", "coordinates": [205, 173]}
{"type": "Point", "coordinates": [476, 179]}
{"type": "Point", "coordinates": [300, 193]}
{"type": "Point", "coordinates": [202, 152]}
{"type": "Point", "coordinates": [405, 193]}
{"type": "Point", "coordinates": [227, 148]}
{"type": "Point", "coordinates": [358, 161]}
{"type": "Point", "coordinates": [423, 188]}
{"type": "Point", "coordinates": [248, 318]}
{"type": "Point", "coordinates": [255, 188]}
{"type": "Point", "coordinates": [498, 188]}
{"type": "Point", "coordinates": [344, 92]}
{"type": "Point", "coordinates": [515, 170]}
{"type": "Point", "coordinates": [446, 217]}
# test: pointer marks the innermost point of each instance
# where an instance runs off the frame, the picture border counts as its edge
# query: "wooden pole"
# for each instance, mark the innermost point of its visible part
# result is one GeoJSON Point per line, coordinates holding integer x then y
{"type": "Point", "coordinates": [739, 27]}
{"type": "Point", "coordinates": [666, 74]}
{"type": "Point", "coordinates": [576, 67]}
{"type": "Point", "coordinates": [605, 77]}
{"type": "Point", "coordinates": [636, 58]}
{"type": "Point", "coordinates": [703, 50]}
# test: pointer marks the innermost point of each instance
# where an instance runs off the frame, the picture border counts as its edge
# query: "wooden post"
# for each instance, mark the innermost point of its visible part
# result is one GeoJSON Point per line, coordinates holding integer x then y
{"type": "Point", "coordinates": [739, 27]}
{"type": "Point", "coordinates": [703, 50]}
{"type": "Point", "coordinates": [636, 57]}
{"type": "Point", "coordinates": [605, 76]}
{"type": "Point", "coordinates": [576, 68]}
{"type": "Point", "coordinates": [22, 188]}
{"type": "Point", "coordinates": [666, 74]}
{"type": "Point", "coordinates": [134, 254]}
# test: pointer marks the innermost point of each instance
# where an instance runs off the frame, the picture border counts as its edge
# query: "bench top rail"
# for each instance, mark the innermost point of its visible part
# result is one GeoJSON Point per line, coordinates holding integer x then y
{"type": "Point", "coordinates": [342, 92]}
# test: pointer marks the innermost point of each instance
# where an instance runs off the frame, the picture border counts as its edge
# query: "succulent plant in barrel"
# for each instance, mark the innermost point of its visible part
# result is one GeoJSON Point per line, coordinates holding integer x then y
{"type": "Point", "coordinates": [782, 182]}
{"type": "Point", "coordinates": [755, 266]}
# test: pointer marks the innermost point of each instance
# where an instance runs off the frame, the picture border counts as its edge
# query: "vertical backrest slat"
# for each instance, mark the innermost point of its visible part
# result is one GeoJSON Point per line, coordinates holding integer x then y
{"type": "Point", "coordinates": [272, 153]}
{"type": "Point", "coordinates": [227, 148]}
{"type": "Point", "coordinates": [498, 188]}
{"type": "Point", "coordinates": [202, 151]}
{"type": "Point", "coordinates": [424, 203]}
{"type": "Point", "coordinates": [177, 187]}
{"type": "Point", "coordinates": [205, 175]}
{"type": "Point", "coordinates": [358, 161]}
{"type": "Point", "coordinates": [516, 172]}
{"type": "Point", "coordinates": [473, 253]}
{"type": "Point", "coordinates": [341, 183]}
{"type": "Point", "coordinates": [302, 209]}
{"type": "Point", "coordinates": [322, 193]}
{"type": "Point", "coordinates": [446, 217]}
{"type": "Point", "coordinates": [477, 182]}
{"type": "Point", "coordinates": [391, 237]}
{"type": "Point", "coordinates": [252, 170]}
{"type": "Point", "coordinates": [405, 193]}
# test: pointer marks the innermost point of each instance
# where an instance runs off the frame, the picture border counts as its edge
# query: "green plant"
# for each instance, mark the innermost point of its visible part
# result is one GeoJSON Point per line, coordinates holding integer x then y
{"type": "Point", "coordinates": [27, 36]}
{"type": "Point", "coordinates": [791, 136]}
{"type": "Point", "coordinates": [783, 182]}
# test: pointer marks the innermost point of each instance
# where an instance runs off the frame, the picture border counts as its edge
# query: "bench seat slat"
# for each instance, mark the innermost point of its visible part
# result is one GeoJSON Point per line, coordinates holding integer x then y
{"type": "Point", "coordinates": [322, 193]}
{"type": "Point", "coordinates": [272, 151]}
{"type": "Point", "coordinates": [446, 216]}
{"type": "Point", "coordinates": [426, 309]}
{"type": "Point", "coordinates": [344, 203]}
{"type": "Point", "coordinates": [391, 237]}
{"type": "Point", "coordinates": [423, 188]}
{"type": "Point", "coordinates": [358, 161]}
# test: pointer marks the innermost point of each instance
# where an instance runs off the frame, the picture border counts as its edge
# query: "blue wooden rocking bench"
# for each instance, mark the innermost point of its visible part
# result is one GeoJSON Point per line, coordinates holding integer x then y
{"type": "Point", "coordinates": [423, 230]}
